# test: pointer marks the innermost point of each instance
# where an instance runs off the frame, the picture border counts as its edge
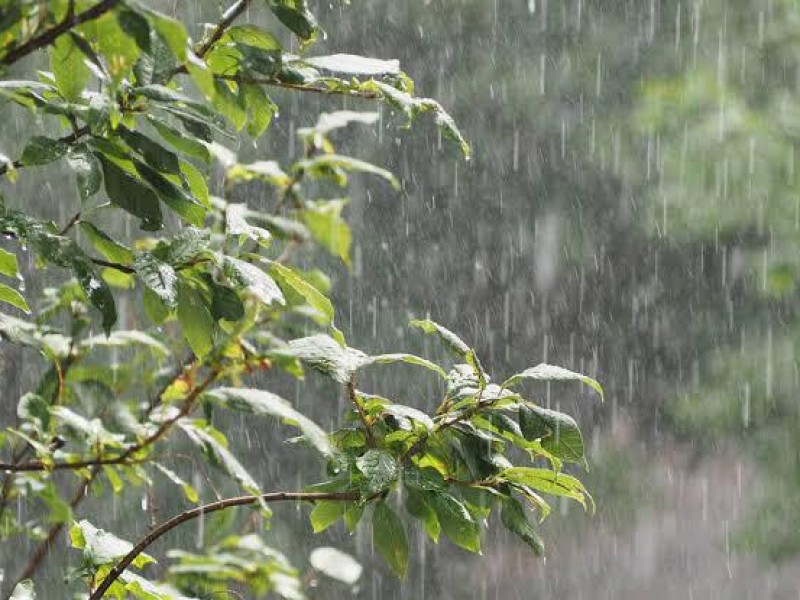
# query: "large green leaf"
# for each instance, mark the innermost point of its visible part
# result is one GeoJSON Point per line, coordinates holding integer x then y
{"type": "Point", "coordinates": [262, 402]}
{"type": "Point", "coordinates": [87, 170]}
{"type": "Point", "coordinates": [351, 64]}
{"type": "Point", "coordinates": [297, 17]}
{"type": "Point", "coordinates": [67, 63]}
{"type": "Point", "coordinates": [389, 537]}
{"type": "Point", "coordinates": [42, 150]}
{"type": "Point", "coordinates": [325, 513]}
{"type": "Point", "coordinates": [217, 449]}
{"type": "Point", "coordinates": [131, 194]}
{"type": "Point", "coordinates": [326, 224]}
{"type": "Point", "coordinates": [253, 280]}
{"type": "Point", "coordinates": [547, 482]}
{"type": "Point", "coordinates": [326, 355]}
{"type": "Point", "coordinates": [559, 433]}
{"type": "Point", "coordinates": [159, 277]}
{"type": "Point", "coordinates": [450, 339]}
{"type": "Point", "coordinates": [379, 468]}
{"type": "Point", "coordinates": [197, 323]}
{"type": "Point", "coordinates": [418, 506]}
{"type": "Point", "coordinates": [456, 521]}
{"type": "Point", "coordinates": [514, 519]}
{"type": "Point", "coordinates": [109, 248]}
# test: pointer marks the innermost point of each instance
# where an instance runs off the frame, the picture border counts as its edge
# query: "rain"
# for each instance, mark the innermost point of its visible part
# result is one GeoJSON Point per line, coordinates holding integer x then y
{"type": "Point", "coordinates": [630, 212]}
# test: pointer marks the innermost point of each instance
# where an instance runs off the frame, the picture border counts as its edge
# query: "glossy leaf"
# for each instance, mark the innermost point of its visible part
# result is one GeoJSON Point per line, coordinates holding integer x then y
{"type": "Point", "coordinates": [389, 537]}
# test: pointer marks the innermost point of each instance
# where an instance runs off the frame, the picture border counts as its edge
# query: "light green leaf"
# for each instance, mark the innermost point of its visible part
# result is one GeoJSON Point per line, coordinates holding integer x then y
{"type": "Point", "coordinates": [14, 298]}
{"type": "Point", "coordinates": [450, 339]}
{"type": "Point", "coordinates": [545, 372]}
{"type": "Point", "coordinates": [68, 67]}
{"type": "Point", "coordinates": [87, 170]}
{"type": "Point", "coordinates": [410, 359]}
{"type": "Point", "coordinates": [325, 513]}
{"type": "Point", "coordinates": [8, 263]}
{"type": "Point", "coordinates": [326, 355]}
{"type": "Point", "coordinates": [317, 164]}
{"type": "Point", "coordinates": [109, 248]}
{"type": "Point", "coordinates": [389, 537]}
{"type": "Point", "coordinates": [547, 482]}
{"type": "Point", "coordinates": [262, 402]}
{"type": "Point", "coordinates": [324, 221]}
{"type": "Point", "coordinates": [215, 447]}
{"type": "Point", "coordinates": [197, 323]}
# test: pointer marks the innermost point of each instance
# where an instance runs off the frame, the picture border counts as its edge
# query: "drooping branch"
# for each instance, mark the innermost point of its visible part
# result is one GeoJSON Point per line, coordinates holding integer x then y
{"type": "Point", "coordinates": [200, 511]}
{"type": "Point", "coordinates": [50, 35]}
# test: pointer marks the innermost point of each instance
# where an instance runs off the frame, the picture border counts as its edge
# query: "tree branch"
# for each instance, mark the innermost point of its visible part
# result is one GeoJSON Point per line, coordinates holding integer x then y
{"type": "Point", "coordinates": [351, 391]}
{"type": "Point", "coordinates": [49, 36]}
{"type": "Point", "coordinates": [200, 511]}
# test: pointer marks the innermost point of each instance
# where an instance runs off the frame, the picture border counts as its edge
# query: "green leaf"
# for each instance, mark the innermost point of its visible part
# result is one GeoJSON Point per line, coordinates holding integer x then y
{"type": "Point", "coordinates": [236, 224]}
{"type": "Point", "coordinates": [42, 150]}
{"type": "Point", "coordinates": [336, 564]}
{"type": "Point", "coordinates": [420, 509]}
{"type": "Point", "coordinates": [225, 303]}
{"type": "Point", "coordinates": [312, 295]}
{"type": "Point", "coordinates": [324, 354]}
{"type": "Point", "coordinates": [87, 170]}
{"type": "Point", "coordinates": [514, 519]}
{"type": "Point", "coordinates": [325, 513]}
{"type": "Point", "coordinates": [426, 479]}
{"type": "Point", "coordinates": [351, 64]}
{"type": "Point", "coordinates": [8, 263]}
{"type": "Point", "coordinates": [409, 359]}
{"type": "Point", "coordinates": [547, 482]}
{"type": "Point", "coordinates": [389, 537]}
{"type": "Point", "coordinates": [260, 109]}
{"type": "Point", "coordinates": [68, 67]}
{"type": "Point", "coordinates": [380, 470]}
{"type": "Point", "coordinates": [188, 145]}
{"type": "Point", "coordinates": [197, 323]}
{"type": "Point", "coordinates": [154, 154]}
{"type": "Point", "coordinates": [456, 522]}
{"type": "Point", "coordinates": [325, 223]}
{"type": "Point", "coordinates": [253, 280]}
{"type": "Point", "coordinates": [110, 249]}
{"type": "Point", "coordinates": [159, 277]}
{"type": "Point", "coordinates": [321, 164]}
{"type": "Point", "coordinates": [450, 339]}
{"type": "Point", "coordinates": [218, 449]}
{"type": "Point", "coordinates": [545, 372]}
{"type": "Point", "coordinates": [559, 433]}
{"type": "Point", "coordinates": [173, 196]}
{"type": "Point", "coordinates": [131, 194]}
{"type": "Point", "coordinates": [102, 548]}
{"type": "Point", "coordinates": [157, 311]}
{"type": "Point", "coordinates": [188, 491]}
{"type": "Point", "coordinates": [262, 402]}
{"type": "Point", "coordinates": [172, 32]}
{"type": "Point", "coordinates": [297, 17]}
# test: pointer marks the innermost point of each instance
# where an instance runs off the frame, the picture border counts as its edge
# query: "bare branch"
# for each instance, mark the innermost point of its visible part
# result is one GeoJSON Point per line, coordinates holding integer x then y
{"type": "Point", "coordinates": [49, 36]}
{"type": "Point", "coordinates": [200, 511]}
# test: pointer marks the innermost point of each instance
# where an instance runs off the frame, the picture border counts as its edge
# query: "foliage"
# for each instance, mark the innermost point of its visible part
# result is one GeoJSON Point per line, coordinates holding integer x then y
{"type": "Point", "coordinates": [146, 117]}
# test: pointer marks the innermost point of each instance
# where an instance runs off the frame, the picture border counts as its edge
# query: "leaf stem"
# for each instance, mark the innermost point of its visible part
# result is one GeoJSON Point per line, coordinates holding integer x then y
{"type": "Point", "coordinates": [351, 392]}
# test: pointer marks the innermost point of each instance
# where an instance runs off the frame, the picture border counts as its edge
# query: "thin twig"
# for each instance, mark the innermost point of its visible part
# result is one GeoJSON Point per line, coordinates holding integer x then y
{"type": "Point", "coordinates": [200, 511]}
{"type": "Point", "coordinates": [301, 87]}
{"type": "Point", "coordinates": [72, 222]}
{"type": "Point", "coordinates": [351, 391]}
{"type": "Point", "coordinates": [49, 36]}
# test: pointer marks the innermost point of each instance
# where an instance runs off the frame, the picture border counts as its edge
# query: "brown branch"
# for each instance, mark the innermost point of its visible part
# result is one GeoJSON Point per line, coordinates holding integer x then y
{"type": "Point", "coordinates": [49, 36]}
{"type": "Point", "coordinates": [70, 224]}
{"type": "Point", "coordinates": [228, 17]}
{"type": "Point", "coordinates": [351, 391]}
{"type": "Point", "coordinates": [126, 458]}
{"type": "Point", "coordinates": [200, 511]}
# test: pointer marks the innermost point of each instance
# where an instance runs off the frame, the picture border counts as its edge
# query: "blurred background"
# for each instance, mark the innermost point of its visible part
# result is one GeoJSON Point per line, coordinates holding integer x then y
{"type": "Point", "coordinates": [632, 211]}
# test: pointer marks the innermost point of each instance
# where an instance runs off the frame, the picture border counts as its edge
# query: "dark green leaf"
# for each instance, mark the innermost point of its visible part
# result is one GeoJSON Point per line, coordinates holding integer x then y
{"type": "Point", "coordinates": [131, 194]}
{"type": "Point", "coordinates": [515, 520]}
{"type": "Point", "coordinates": [457, 524]}
{"type": "Point", "coordinates": [297, 17]}
{"type": "Point", "coordinates": [155, 155]}
{"type": "Point", "coordinates": [42, 150]}
{"type": "Point", "coordinates": [389, 537]}
{"type": "Point", "coordinates": [225, 303]}
{"type": "Point", "coordinates": [109, 248]}
{"type": "Point", "coordinates": [420, 508]}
